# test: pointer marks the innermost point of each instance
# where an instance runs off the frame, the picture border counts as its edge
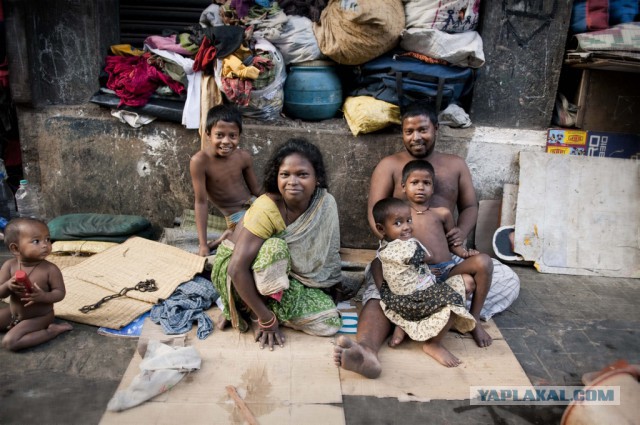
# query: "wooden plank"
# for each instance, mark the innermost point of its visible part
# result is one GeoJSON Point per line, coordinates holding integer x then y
{"type": "Point", "coordinates": [357, 256]}
{"type": "Point", "coordinates": [579, 215]}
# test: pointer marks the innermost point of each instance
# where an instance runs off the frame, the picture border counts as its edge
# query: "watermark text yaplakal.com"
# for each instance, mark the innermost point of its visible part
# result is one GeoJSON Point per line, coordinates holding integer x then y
{"type": "Point", "coordinates": [544, 395]}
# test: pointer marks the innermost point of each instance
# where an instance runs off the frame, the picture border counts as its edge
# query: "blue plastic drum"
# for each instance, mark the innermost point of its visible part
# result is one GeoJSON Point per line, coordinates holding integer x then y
{"type": "Point", "coordinates": [312, 91]}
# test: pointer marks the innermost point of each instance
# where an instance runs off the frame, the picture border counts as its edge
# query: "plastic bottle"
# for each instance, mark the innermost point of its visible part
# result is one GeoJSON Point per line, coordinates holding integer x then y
{"type": "Point", "coordinates": [22, 277]}
{"type": "Point", "coordinates": [7, 199]}
{"type": "Point", "coordinates": [28, 200]}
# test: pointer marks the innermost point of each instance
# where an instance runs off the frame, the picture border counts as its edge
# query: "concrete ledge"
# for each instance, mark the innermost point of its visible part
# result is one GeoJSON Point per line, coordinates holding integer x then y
{"type": "Point", "coordinates": [87, 161]}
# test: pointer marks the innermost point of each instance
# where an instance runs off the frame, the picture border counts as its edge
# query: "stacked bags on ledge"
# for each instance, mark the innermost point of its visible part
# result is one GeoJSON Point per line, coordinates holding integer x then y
{"type": "Point", "coordinates": [434, 59]}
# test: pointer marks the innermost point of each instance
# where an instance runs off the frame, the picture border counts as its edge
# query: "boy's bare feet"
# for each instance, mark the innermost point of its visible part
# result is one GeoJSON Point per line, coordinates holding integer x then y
{"type": "Point", "coordinates": [58, 328]}
{"type": "Point", "coordinates": [440, 354]}
{"type": "Point", "coordinates": [397, 337]}
{"type": "Point", "coordinates": [352, 356]}
{"type": "Point", "coordinates": [481, 336]}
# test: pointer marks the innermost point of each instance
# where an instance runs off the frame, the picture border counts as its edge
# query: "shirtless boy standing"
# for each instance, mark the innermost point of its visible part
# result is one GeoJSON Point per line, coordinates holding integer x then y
{"type": "Point", "coordinates": [223, 173]}
{"type": "Point", "coordinates": [29, 319]}
{"type": "Point", "coordinates": [430, 226]}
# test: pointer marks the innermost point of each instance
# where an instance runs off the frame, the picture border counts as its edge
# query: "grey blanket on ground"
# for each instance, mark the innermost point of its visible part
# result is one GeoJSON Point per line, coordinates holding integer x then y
{"type": "Point", "coordinates": [187, 304]}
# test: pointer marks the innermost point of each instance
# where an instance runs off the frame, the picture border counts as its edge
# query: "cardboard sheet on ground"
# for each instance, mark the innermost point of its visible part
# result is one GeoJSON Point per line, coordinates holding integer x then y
{"type": "Point", "coordinates": [408, 374]}
{"type": "Point", "coordinates": [123, 266]}
{"type": "Point", "coordinates": [297, 384]}
{"type": "Point", "coordinates": [579, 215]}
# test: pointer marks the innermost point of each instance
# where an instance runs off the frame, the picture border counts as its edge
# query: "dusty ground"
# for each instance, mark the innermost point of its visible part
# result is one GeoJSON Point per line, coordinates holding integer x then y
{"type": "Point", "coordinates": [559, 328]}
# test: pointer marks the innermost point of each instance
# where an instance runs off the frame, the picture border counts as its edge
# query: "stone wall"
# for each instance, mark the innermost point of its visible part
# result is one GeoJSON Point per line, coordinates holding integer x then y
{"type": "Point", "coordinates": [524, 43]}
{"type": "Point", "coordinates": [87, 161]}
{"type": "Point", "coordinates": [56, 48]}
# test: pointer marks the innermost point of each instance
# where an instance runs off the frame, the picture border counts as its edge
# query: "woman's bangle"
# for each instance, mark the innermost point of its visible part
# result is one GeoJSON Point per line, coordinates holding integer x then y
{"type": "Point", "coordinates": [268, 323]}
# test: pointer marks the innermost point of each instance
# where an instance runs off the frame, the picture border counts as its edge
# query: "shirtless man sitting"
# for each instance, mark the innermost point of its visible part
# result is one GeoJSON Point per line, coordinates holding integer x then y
{"type": "Point", "coordinates": [454, 190]}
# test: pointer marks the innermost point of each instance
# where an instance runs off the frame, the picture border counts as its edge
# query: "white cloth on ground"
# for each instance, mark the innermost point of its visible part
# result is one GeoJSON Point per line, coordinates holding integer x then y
{"type": "Point", "coordinates": [162, 368]}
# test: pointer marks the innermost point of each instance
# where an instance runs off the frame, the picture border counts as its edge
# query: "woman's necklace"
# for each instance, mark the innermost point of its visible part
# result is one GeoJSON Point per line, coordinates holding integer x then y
{"type": "Point", "coordinates": [418, 211]}
{"type": "Point", "coordinates": [286, 213]}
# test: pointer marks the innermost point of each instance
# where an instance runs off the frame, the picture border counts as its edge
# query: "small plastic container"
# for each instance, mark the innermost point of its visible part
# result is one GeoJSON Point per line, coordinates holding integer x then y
{"type": "Point", "coordinates": [28, 201]}
{"type": "Point", "coordinates": [23, 278]}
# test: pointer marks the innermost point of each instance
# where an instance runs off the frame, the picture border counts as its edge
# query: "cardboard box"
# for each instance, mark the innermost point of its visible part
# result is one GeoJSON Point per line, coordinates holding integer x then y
{"type": "Point", "coordinates": [613, 145]}
{"type": "Point", "coordinates": [567, 142]}
{"type": "Point", "coordinates": [593, 143]}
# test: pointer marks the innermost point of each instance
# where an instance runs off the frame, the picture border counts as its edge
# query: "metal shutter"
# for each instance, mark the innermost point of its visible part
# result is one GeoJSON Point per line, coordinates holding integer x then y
{"type": "Point", "coordinates": [142, 18]}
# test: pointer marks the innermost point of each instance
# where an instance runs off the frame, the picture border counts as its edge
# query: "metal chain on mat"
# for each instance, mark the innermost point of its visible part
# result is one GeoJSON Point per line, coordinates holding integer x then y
{"type": "Point", "coordinates": [148, 285]}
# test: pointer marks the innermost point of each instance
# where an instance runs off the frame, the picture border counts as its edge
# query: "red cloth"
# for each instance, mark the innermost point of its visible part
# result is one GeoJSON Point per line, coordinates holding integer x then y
{"type": "Point", "coordinates": [134, 80]}
{"type": "Point", "coordinates": [12, 153]}
{"type": "Point", "coordinates": [597, 14]}
{"type": "Point", "coordinates": [425, 58]}
{"type": "Point", "coordinates": [277, 296]}
{"type": "Point", "coordinates": [205, 58]}
{"type": "Point", "coordinates": [4, 74]}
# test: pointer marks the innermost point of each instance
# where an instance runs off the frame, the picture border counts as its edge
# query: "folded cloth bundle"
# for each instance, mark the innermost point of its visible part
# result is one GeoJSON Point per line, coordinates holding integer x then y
{"type": "Point", "coordinates": [186, 305]}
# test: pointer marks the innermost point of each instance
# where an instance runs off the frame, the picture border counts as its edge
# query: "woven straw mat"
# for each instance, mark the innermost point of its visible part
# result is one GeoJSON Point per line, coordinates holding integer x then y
{"type": "Point", "coordinates": [123, 266]}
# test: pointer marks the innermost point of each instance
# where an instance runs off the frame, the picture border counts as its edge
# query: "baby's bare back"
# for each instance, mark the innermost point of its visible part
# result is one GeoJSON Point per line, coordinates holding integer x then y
{"type": "Point", "coordinates": [428, 228]}
{"type": "Point", "coordinates": [226, 186]}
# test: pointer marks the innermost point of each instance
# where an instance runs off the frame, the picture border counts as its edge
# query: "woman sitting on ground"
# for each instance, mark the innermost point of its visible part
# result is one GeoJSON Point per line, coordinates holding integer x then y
{"type": "Point", "coordinates": [284, 254]}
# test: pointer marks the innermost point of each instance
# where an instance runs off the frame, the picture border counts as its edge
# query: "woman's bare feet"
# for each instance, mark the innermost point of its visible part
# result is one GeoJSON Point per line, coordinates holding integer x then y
{"type": "Point", "coordinates": [481, 336]}
{"type": "Point", "coordinates": [58, 328]}
{"type": "Point", "coordinates": [352, 356]}
{"type": "Point", "coordinates": [440, 354]}
{"type": "Point", "coordinates": [397, 337]}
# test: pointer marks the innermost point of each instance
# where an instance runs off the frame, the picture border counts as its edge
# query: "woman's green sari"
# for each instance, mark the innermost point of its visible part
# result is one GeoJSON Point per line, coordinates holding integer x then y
{"type": "Point", "coordinates": [306, 249]}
